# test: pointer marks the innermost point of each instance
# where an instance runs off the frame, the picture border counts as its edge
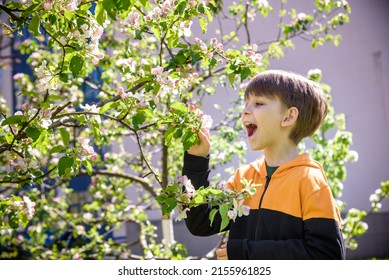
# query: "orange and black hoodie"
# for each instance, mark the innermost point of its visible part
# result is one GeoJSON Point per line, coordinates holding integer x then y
{"type": "Point", "coordinates": [292, 215]}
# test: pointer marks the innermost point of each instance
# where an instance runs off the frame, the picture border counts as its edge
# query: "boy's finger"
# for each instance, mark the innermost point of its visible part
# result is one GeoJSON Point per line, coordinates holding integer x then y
{"type": "Point", "coordinates": [204, 134]}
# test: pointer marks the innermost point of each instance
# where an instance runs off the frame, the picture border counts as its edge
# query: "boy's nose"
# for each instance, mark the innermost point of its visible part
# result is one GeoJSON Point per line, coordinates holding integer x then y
{"type": "Point", "coordinates": [246, 110]}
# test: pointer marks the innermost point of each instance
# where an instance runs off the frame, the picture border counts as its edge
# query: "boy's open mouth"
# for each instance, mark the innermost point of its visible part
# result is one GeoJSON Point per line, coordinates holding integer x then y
{"type": "Point", "coordinates": [250, 128]}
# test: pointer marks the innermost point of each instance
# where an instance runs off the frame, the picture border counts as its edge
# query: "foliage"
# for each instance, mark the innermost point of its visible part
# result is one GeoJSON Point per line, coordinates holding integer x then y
{"type": "Point", "coordinates": [112, 101]}
{"type": "Point", "coordinates": [225, 202]}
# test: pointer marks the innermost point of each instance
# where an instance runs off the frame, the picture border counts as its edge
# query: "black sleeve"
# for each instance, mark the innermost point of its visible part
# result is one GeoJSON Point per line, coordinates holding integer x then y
{"type": "Point", "coordinates": [197, 170]}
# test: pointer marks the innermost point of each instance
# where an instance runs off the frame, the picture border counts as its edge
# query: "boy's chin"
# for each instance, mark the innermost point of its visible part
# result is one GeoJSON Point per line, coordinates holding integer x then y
{"type": "Point", "coordinates": [254, 148]}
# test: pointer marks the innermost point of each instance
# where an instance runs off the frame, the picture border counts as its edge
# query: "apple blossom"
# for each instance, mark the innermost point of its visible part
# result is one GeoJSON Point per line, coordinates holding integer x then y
{"type": "Point", "coordinates": [232, 214]}
{"type": "Point", "coordinates": [182, 214]}
{"type": "Point", "coordinates": [206, 121]}
{"type": "Point", "coordinates": [47, 5]}
{"type": "Point", "coordinates": [263, 3]}
{"type": "Point", "coordinates": [132, 20]}
{"type": "Point", "coordinates": [301, 16]}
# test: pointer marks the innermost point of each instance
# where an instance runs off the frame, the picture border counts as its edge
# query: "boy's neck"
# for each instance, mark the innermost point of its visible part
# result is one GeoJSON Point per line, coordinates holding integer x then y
{"type": "Point", "coordinates": [278, 157]}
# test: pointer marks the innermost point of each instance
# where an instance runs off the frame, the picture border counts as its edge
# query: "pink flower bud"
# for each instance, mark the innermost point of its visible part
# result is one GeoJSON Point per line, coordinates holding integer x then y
{"type": "Point", "coordinates": [189, 195]}
{"type": "Point", "coordinates": [142, 104]}
{"type": "Point", "coordinates": [120, 90]}
{"type": "Point", "coordinates": [182, 179]}
{"type": "Point", "coordinates": [26, 107]}
{"type": "Point", "coordinates": [93, 157]}
{"type": "Point", "coordinates": [47, 5]}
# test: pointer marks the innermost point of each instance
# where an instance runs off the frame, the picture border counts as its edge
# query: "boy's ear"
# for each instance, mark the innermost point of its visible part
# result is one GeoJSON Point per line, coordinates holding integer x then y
{"type": "Point", "coordinates": [290, 117]}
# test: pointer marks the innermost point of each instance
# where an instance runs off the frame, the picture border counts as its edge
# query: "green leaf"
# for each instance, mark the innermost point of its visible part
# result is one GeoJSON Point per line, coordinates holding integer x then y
{"type": "Point", "coordinates": [33, 132]}
{"type": "Point", "coordinates": [199, 199]}
{"type": "Point", "coordinates": [88, 166]}
{"type": "Point", "coordinates": [181, 8]}
{"type": "Point", "coordinates": [110, 8]}
{"type": "Point", "coordinates": [33, 27]}
{"type": "Point", "coordinates": [138, 119]}
{"type": "Point", "coordinates": [179, 106]}
{"type": "Point", "coordinates": [209, 15]}
{"type": "Point", "coordinates": [201, 9]}
{"type": "Point", "coordinates": [212, 215]}
{"type": "Point", "coordinates": [76, 64]}
{"type": "Point", "coordinates": [180, 57]}
{"type": "Point", "coordinates": [169, 135]}
{"type": "Point", "coordinates": [172, 38]}
{"type": "Point", "coordinates": [57, 149]}
{"type": "Point", "coordinates": [65, 136]}
{"type": "Point", "coordinates": [101, 15]}
{"type": "Point", "coordinates": [64, 164]}
{"type": "Point", "coordinates": [122, 5]}
{"type": "Point", "coordinates": [145, 3]}
{"type": "Point", "coordinates": [13, 120]}
{"type": "Point", "coordinates": [231, 78]}
{"type": "Point", "coordinates": [9, 137]}
{"type": "Point", "coordinates": [195, 57]}
{"type": "Point", "coordinates": [189, 139]}
{"type": "Point", "coordinates": [23, 219]}
{"type": "Point", "coordinates": [223, 213]}
{"type": "Point", "coordinates": [203, 24]}
{"type": "Point", "coordinates": [29, 10]}
{"type": "Point", "coordinates": [13, 221]}
{"type": "Point", "coordinates": [64, 77]}
{"type": "Point", "coordinates": [171, 203]}
{"type": "Point", "coordinates": [106, 107]}
{"type": "Point", "coordinates": [245, 73]}
{"type": "Point", "coordinates": [178, 133]}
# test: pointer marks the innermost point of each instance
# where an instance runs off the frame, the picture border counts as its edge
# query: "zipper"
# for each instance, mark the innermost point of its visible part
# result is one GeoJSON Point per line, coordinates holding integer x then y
{"type": "Point", "coordinates": [268, 178]}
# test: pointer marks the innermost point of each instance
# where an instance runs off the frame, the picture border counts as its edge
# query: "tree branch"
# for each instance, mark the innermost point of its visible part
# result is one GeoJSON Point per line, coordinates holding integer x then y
{"type": "Point", "coordinates": [134, 178]}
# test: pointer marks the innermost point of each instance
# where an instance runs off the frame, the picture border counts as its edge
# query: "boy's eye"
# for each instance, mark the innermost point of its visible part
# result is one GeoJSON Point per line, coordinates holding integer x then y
{"type": "Point", "coordinates": [258, 104]}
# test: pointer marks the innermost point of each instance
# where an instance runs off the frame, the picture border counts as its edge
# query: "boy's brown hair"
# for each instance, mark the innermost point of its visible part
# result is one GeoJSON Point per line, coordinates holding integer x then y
{"type": "Point", "coordinates": [293, 90]}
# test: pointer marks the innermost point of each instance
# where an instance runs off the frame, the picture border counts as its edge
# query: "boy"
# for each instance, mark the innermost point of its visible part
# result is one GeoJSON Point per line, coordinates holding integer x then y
{"type": "Point", "coordinates": [293, 214]}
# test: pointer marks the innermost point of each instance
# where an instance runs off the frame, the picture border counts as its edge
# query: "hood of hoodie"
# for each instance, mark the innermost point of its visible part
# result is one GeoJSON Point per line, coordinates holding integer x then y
{"type": "Point", "coordinates": [299, 161]}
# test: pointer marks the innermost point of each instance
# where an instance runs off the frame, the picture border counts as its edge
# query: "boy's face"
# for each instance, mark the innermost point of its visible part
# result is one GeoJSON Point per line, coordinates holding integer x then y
{"type": "Point", "coordinates": [261, 119]}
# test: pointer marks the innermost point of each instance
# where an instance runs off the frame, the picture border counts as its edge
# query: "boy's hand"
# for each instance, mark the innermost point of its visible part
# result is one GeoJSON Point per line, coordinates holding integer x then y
{"type": "Point", "coordinates": [203, 148]}
{"type": "Point", "coordinates": [221, 252]}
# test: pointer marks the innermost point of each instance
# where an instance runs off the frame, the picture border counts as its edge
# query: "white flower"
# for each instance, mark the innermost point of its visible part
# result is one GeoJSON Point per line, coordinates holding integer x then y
{"type": "Point", "coordinates": [88, 217]}
{"type": "Point", "coordinates": [301, 16]}
{"type": "Point", "coordinates": [29, 207]}
{"type": "Point", "coordinates": [232, 214]}
{"type": "Point", "coordinates": [206, 121]}
{"type": "Point", "coordinates": [45, 123]}
{"type": "Point", "coordinates": [263, 3]}
{"type": "Point", "coordinates": [90, 108]}
{"type": "Point", "coordinates": [245, 210]}
{"type": "Point", "coordinates": [182, 214]}
{"type": "Point", "coordinates": [45, 77]}
{"type": "Point", "coordinates": [189, 187]}
{"type": "Point", "coordinates": [47, 5]}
